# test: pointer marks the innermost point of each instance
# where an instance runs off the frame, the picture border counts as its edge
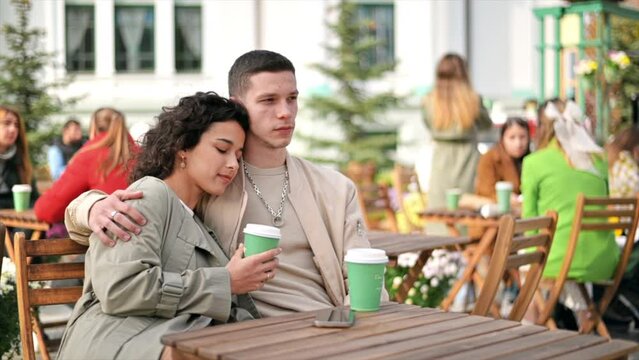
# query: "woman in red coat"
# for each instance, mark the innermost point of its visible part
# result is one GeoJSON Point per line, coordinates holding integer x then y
{"type": "Point", "coordinates": [103, 163]}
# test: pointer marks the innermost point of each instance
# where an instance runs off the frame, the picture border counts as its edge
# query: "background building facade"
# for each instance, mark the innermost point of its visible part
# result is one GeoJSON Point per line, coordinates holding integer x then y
{"type": "Point", "coordinates": [140, 55]}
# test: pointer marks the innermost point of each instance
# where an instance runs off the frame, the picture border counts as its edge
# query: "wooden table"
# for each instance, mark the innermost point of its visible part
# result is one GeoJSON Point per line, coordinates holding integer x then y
{"type": "Point", "coordinates": [470, 218]}
{"type": "Point", "coordinates": [397, 331]}
{"type": "Point", "coordinates": [395, 244]}
{"type": "Point", "coordinates": [21, 220]}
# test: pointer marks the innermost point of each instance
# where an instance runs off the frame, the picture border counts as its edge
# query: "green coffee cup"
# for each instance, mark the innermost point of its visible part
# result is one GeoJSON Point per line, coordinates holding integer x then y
{"type": "Point", "coordinates": [21, 196]}
{"type": "Point", "coordinates": [452, 198]}
{"type": "Point", "coordinates": [503, 190]}
{"type": "Point", "coordinates": [365, 277]}
{"type": "Point", "coordinates": [260, 238]}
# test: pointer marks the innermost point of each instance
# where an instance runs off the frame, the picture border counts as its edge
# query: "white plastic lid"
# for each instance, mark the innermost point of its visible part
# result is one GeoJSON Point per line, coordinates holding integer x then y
{"type": "Point", "coordinates": [503, 185]}
{"type": "Point", "coordinates": [262, 230]}
{"type": "Point", "coordinates": [21, 188]}
{"type": "Point", "coordinates": [366, 256]}
{"type": "Point", "coordinates": [454, 191]}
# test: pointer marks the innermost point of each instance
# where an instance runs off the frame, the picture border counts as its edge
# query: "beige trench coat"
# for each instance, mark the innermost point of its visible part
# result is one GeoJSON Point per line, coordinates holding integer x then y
{"type": "Point", "coordinates": [170, 278]}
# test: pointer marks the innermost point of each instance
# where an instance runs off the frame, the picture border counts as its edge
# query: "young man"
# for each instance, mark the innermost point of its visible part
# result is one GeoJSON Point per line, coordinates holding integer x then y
{"type": "Point", "coordinates": [63, 148]}
{"type": "Point", "coordinates": [316, 208]}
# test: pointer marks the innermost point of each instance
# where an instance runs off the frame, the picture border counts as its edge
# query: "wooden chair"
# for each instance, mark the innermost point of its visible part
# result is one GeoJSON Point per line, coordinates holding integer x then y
{"type": "Point", "coordinates": [511, 238]}
{"type": "Point", "coordinates": [404, 178]}
{"type": "Point", "coordinates": [29, 297]}
{"type": "Point", "coordinates": [593, 214]}
{"type": "Point", "coordinates": [373, 198]}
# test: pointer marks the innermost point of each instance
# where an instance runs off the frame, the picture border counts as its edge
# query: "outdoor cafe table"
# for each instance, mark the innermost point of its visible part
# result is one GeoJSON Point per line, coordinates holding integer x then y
{"type": "Point", "coordinates": [395, 244]}
{"type": "Point", "coordinates": [397, 331]}
{"type": "Point", "coordinates": [21, 220]}
{"type": "Point", "coordinates": [470, 218]}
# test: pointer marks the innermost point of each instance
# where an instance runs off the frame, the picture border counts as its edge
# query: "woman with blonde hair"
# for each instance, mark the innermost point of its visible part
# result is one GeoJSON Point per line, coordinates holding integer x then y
{"type": "Point", "coordinates": [15, 163]}
{"type": "Point", "coordinates": [453, 113]}
{"type": "Point", "coordinates": [103, 163]}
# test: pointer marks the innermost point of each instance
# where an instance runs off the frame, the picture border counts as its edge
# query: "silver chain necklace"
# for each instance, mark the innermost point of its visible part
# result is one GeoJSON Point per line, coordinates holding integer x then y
{"type": "Point", "coordinates": [277, 220]}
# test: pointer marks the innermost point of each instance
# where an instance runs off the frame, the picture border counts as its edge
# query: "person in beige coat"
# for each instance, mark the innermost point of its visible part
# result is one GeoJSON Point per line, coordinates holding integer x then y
{"type": "Point", "coordinates": [172, 276]}
{"type": "Point", "coordinates": [316, 208]}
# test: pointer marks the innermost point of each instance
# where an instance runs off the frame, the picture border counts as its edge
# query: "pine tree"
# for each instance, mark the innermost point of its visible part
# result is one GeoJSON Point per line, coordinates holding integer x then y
{"type": "Point", "coordinates": [356, 112]}
{"type": "Point", "coordinates": [21, 74]}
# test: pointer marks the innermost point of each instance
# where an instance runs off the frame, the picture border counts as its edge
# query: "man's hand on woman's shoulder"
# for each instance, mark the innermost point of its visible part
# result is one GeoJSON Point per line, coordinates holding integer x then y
{"type": "Point", "coordinates": [112, 214]}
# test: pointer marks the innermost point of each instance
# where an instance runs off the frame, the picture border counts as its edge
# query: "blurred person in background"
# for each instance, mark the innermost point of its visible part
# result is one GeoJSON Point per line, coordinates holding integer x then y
{"type": "Point", "coordinates": [623, 163]}
{"type": "Point", "coordinates": [567, 163]}
{"type": "Point", "coordinates": [64, 147]}
{"type": "Point", "coordinates": [623, 170]}
{"type": "Point", "coordinates": [453, 113]}
{"type": "Point", "coordinates": [103, 163]}
{"type": "Point", "coordinates": [15, 163]}
{"type": "Point", "coordinates": [503, 161]}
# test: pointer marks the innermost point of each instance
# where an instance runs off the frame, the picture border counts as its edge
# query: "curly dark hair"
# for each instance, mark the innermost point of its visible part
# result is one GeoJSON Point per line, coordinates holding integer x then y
{"type": "Point", "coordinates": [180, 128]}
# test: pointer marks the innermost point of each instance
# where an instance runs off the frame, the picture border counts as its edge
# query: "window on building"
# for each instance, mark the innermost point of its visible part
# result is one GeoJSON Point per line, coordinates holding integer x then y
{"type": "Point", "coordinates": [134, 33]}
{"type": "Point", "coordinates": [378, 23]}
{"type": "Point", "coordinates": [80, 38]}
{"type": "Point", "coordinates": [188, 38]}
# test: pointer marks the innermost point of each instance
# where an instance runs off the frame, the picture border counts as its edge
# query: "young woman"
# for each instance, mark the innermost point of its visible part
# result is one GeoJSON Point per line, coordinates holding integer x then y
{"type": "Point", "coordinates": [453, 113]}
{"type": "Point", "coordinates": [172, 276]}
{"type": "Point", "coordinates": [103, 163]}
{"type": "Point", "coordinates": [503, 161]}
{"type": "Point", "coordinates": [15, 164]}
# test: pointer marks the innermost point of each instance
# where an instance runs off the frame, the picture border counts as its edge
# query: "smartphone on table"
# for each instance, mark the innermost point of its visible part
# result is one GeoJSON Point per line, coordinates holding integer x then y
{"type": "Point", "coordinates": [335, 317]}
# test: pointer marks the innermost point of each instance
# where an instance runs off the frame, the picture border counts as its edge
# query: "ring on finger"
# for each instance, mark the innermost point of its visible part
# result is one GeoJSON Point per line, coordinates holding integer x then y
{"type": "Point", "coordinates": [113, 213]}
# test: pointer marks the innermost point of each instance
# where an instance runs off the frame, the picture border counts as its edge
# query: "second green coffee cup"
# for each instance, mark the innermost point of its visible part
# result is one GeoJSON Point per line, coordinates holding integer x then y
{"type": "Point", "coordinates": [452, 198]}
{"type": "Point", "coordinates": [503, 190]}
{"type": "Point", "coordinates": [365, 277]}
{"type": "Point", "coordinates": [260, 238]}
{"type": "Point", "coordinates": [21, 196]}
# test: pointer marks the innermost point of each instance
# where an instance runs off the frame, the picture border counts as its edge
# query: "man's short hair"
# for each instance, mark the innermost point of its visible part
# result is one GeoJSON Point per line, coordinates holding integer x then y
{"type": "Point", "coordinates": [71, 122]}
{"type": "Point", "coordinates": [254, 62]}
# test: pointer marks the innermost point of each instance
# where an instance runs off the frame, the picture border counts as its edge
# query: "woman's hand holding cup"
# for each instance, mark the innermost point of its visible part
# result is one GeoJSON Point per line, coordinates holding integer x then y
{"type": "Point", "coordinates": [250, 273]}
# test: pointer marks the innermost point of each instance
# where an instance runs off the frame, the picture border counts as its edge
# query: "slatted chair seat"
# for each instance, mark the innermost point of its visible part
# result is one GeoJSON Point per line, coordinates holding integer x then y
{"type": "Point", "coordinates": [515, 248]}
{"type": "Point", "coordinates": [593, 214]}
{"type": "Point", "coordinates": [31, 297]}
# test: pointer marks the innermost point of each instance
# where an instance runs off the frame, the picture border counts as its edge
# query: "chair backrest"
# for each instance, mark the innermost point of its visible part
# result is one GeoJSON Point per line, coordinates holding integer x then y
{"type": "Point", "coordinates": [404, 178]}
{"type": "Point", "coordinates": [376, 208]}
{"type": "Point", "coordinates": [533, 234]}
{"type": "Point", "coordinates": [373, 198]}
{"type": "Point", "coordinates": [26, 274]}
{"type": "Point", "coordinates": [598, 214]}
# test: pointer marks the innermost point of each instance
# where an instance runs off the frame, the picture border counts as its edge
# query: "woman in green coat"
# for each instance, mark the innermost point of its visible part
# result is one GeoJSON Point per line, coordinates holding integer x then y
{"type": "Point", "coordinates": [173, 276]}
{"type": "Point", "coordinates": [568, 163]}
